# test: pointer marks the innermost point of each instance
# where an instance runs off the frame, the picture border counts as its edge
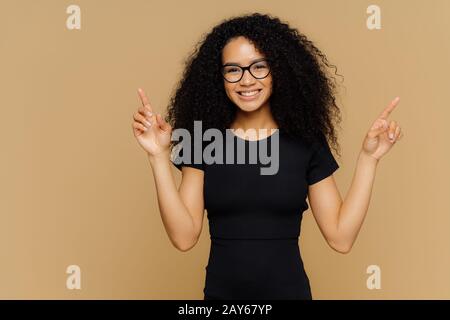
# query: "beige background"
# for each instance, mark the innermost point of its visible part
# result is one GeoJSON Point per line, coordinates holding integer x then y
{"type": "Point", "coordinates": [77, 189]}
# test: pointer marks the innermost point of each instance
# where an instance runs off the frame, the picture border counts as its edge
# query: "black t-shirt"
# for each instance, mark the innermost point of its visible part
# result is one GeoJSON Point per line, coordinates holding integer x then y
{"type": "Point", "coordinates": [244, 204]}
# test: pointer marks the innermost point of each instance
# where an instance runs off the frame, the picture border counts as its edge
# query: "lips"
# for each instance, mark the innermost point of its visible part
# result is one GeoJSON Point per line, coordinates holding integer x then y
{"type": "Point", "coordinates": [249, 93]}
{"type": "Point", "coordinates": [249, 98]}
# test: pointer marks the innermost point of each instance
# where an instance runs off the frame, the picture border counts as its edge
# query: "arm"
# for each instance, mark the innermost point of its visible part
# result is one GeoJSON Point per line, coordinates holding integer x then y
{"type": "Point", "coordinates": [181, 210]}
{"type": "Point", "coordinates": [340, 221]}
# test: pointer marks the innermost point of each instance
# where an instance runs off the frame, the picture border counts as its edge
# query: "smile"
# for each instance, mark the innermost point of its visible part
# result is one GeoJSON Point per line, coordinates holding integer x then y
{"type": "Point", "coordinates": [248, 95]}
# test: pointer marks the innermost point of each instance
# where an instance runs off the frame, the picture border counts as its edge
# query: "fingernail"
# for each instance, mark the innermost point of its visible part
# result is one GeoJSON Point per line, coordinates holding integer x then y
{"type": "Point", "coordinates": [148, 123]}
{"type": "Point", "coordinates": [391, 135]}
{"type": "Point", "coordinates": [148, 113]}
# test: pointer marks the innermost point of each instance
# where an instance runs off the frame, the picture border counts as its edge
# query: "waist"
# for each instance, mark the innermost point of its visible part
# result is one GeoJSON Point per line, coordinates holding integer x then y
{"type": "Point", "coordinates": [251, 250]}
{"type": "Point", "coordinates": [254, 238]}
{"type": "Point", "coordinates": [254, 225]}
{"type": "Point", "coordinates": [253, 257]}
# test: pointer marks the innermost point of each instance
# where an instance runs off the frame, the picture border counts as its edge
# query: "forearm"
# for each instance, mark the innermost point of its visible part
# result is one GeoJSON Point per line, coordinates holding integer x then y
{"type": "Point", "coordinates": [356, 203]}
{"type": "Point", "coordinates": [176, 218]}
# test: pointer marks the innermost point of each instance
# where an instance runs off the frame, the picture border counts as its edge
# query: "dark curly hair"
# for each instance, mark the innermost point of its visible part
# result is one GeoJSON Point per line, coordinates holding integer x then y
{"type": "Point", "coordinates": [303, 93]}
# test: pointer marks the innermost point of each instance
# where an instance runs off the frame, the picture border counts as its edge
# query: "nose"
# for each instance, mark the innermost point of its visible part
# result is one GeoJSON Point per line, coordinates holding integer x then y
{"type": "Point", "coordinates": [247, 78]}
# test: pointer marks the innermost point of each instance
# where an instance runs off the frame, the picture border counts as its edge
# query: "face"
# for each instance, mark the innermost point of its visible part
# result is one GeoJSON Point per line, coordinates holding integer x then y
{"type": "Point", "coordinates": [241, 51]}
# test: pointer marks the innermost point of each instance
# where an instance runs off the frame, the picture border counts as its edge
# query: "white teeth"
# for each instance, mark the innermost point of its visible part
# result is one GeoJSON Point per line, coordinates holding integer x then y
{"type": "Point", "coordinates": [249, 93]}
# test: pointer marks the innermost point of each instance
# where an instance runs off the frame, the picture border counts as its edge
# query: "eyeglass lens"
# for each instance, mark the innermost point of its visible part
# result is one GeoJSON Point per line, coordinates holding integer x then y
{"type": "Point", "coordinates": [258, 70]}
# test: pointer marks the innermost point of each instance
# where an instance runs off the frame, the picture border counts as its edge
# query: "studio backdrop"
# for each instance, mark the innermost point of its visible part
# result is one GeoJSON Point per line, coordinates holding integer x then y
{"type": "Point", "coordinates": [79, 217]}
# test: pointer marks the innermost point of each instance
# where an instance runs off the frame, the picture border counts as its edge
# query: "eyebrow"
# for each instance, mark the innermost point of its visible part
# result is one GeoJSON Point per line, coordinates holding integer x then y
{"type": "Point", "coordinates": [237, 64]}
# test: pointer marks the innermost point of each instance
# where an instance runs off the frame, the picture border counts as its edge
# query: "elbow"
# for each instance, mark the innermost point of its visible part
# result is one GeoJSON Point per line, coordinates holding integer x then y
{"type": "Point", "coordinates": [342, 248]}
{"type": "Point", "coordinates": [185, 246]}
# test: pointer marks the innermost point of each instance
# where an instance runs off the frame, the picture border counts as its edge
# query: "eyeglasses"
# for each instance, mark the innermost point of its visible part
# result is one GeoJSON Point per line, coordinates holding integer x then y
{"type": "Point", "coordinates": [234, 73]}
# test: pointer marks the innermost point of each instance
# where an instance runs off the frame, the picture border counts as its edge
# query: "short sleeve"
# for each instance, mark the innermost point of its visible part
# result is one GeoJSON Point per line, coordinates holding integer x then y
{"type": "Point", "coordinates": [179, 160]}
{"type": "Point", "coordinates": [322, 163]}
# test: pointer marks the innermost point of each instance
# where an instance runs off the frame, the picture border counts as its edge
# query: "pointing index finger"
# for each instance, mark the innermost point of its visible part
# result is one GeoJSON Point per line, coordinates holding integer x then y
{"type": "Point", "coordinates": [389, 108]}
{"type": "Point", "coordinates": [144, 98]}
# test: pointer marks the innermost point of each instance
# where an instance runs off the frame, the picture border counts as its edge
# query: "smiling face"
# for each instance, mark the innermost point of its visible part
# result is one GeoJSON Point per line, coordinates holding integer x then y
{"type": "Point", "coordinates": [248, 94]}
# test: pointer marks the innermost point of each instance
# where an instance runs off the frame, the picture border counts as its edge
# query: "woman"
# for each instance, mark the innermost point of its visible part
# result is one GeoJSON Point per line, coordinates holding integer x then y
{"type": "Point", "coordinates": [256, 72]}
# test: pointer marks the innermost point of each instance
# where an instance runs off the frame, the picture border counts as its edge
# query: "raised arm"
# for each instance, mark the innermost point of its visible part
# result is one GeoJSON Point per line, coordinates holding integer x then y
{"type": "Point", "coordinates": [181, 209]}
{"type": "Point", "coordinates": [340, 221]}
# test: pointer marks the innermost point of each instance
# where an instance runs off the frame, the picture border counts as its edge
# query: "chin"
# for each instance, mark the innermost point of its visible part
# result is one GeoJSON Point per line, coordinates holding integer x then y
{"type": "Point", "coordinates": [246, 107]}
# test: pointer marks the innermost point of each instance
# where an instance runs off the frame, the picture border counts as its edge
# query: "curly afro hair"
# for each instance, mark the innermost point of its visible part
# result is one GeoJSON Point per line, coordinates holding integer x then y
{"type": "Point", "coordinates": [303, 93]}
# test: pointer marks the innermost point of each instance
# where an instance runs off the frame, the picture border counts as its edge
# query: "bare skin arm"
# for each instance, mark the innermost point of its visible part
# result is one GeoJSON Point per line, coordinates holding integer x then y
{"type": "Point", "coordinates": [340, 221]}
{"type": "Point", "coordinates": [181, 209]}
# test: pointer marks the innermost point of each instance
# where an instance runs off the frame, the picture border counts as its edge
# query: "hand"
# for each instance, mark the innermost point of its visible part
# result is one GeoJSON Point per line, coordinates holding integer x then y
{"type": "Point", "coordinates": [383, 134]}
{"type": "Point", "coordinates": [150, 129]}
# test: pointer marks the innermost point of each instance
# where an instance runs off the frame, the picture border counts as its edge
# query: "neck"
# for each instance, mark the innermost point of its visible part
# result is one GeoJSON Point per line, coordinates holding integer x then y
{"type": "Point", "coordinates": [259, 119]}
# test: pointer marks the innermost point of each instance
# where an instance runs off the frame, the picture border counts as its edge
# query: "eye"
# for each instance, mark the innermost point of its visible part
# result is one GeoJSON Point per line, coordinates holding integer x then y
{"type": "Point", "coordinates": [231, 69]}
{"type": "Point", "coordinates": [261, 66]}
